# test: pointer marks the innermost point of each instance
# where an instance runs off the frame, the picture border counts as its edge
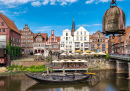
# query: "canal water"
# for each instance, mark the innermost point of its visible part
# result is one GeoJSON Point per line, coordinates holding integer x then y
{"type": "Point", "coordinates": [109, 81]}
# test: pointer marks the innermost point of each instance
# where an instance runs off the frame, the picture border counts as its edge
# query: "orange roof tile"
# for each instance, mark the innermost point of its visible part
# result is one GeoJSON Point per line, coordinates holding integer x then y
{"type": "Point", "coordinates": [116, 39]}
{"type": "Point", "coordinates": [90, 36]}
{"type": "Point", "coordinates": [9, 23]}
{"type": "Point", "coordinates": [126, 33]}
{"type": "Point", "coordinates": [44, 35]}
{"type": "Point", "coordinates": [58, 39]}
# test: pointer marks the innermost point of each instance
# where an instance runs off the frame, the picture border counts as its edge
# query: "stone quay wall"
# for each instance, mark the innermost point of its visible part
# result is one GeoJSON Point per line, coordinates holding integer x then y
{"type": "Point", "coordinates": [30, 63]}
{"type": "Point", "coordinates": [101, 63]}
{"type": "Point", "coordinates": [92, 63]}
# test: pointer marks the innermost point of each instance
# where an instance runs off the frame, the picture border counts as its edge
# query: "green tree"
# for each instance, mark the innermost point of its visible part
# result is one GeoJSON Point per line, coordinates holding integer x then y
{"type": "Point", "coordinates": [107, 56]}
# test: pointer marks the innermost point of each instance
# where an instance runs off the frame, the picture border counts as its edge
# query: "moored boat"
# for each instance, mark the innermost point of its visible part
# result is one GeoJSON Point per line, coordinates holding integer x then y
{"type": "Point", "coordinates": [58, 78]}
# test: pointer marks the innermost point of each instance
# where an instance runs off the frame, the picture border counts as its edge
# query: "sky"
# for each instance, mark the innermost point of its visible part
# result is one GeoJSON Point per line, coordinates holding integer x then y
{"type": "Point", "coordinates": [46, 15]}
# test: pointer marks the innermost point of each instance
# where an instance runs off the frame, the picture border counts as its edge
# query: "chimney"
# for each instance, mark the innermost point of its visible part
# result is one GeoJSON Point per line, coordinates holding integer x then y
{"type": "Point", "coordinates": [26, 25]}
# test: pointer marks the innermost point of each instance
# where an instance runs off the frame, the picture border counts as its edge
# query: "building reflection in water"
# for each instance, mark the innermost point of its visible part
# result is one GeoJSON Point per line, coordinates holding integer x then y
{"type": "Point", "coordinates": [109, 81]}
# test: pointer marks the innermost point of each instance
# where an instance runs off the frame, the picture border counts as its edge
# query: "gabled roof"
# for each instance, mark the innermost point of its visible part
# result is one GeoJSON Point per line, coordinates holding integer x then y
{"type": "Point", "coordinates": [44, 35]}
{"type": "Point", "coordinates": [9, 23]}
{"type": "Point", "coordinates": [116, 39]}
{"type": "Point", "coordinates": [126, 33]}
{"type": "Point", "coordinates": [90, 36]}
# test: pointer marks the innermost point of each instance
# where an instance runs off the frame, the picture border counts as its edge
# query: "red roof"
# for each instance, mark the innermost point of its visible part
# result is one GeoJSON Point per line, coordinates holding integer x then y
{"type": "Point", "coordinates": [44, 35]}
{"type": "Point", "coordinates": [58, 39]}
{"type": "Point", "coordinates": [90, 36]}
{"type": "Point", "coordinates": [9, 23]}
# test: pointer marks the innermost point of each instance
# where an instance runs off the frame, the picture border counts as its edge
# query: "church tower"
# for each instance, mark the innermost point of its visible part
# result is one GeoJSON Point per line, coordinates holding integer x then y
{"type": "Point", "coordinates": [73, 28]}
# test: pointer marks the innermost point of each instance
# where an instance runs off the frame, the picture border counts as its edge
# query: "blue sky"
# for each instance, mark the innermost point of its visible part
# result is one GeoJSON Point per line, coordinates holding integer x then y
{"type": "Point", "coordinates": [46, 15]}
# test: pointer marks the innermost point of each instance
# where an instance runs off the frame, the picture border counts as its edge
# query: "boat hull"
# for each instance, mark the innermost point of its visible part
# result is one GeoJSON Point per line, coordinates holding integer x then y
{"type": "Point", "coordinates": [42, 80]}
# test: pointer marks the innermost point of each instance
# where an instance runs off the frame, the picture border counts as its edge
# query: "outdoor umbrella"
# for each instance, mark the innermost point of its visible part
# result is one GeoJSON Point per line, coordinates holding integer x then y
{"type": "Point", "coordinates": [88, 51]}
{"type": "Point", "coordinates": [55, 61]}
{"type": "Point", "coordinates": [101, 53]}
{"type": "Point", "coordinates": [78, 51]}
{"type": "Point", "coordinates": [93, 53]}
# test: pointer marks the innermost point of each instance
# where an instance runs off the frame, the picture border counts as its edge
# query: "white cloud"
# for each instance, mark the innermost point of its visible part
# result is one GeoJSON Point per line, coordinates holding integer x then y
{"type": "Point", "coordinates": [89, 1]}
{"type": "Point", "coordinates": [45, 2]}
{"type": "Point", "coordinates": [36, 4]}
{"type": "Point", "coordinates": [97, 1]}
{"type": "Point", "coordinates": [85, 25]}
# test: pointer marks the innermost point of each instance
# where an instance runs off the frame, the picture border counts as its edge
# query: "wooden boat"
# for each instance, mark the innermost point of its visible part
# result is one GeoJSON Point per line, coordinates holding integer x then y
{"type": "Point", "coordinates": [58, 78]}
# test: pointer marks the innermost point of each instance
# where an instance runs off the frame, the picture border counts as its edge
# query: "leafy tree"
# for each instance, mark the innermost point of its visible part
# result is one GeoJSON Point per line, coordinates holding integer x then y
{"type": "Point", "coordinates": [107, 56]}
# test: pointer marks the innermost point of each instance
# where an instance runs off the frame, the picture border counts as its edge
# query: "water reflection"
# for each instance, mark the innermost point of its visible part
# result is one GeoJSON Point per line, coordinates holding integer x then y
{"type": "Point", "coordinates": [109, 81]}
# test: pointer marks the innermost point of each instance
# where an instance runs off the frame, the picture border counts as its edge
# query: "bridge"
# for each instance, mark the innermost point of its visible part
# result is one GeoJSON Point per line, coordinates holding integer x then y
{"type": "Point", "coordinates": [122, 63]}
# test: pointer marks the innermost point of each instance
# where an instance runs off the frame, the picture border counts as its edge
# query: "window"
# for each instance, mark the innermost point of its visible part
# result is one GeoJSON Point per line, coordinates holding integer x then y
{"type": "Point", "coordinates": [92, 47]}
{"type": "Point", "coordinates": [28, 50]}
{"type": "Point", "coordinates": [3, 30]}
{"type": "Point", "coordinates": [25, 50]}
{"type": "Point", "coordinates": [100, 40]}
{"type": "Point", "coordinates": [66, 34]}
{"type": "Point", "coordinates": [50, 46]}
{"type": "Point", "coordinates": [81, 44]}
{"type": "Point", "coordinates": [77, 44]}
{"type": "Point", "coordinates": [98, 45]}
{"type": "Point", "coordinates": [81, 33]}
{"type": "Point", "coordinates": [0, 30]}
{"type": "Point", "coordinates": [84, 38]}
{"type": "Point", "coordinates": [103, 40]}
{"type": "Point", "coordinates": [2, 23]}
{"type": "Point", "coordinates": [52, 39]}
{"type": "Point", "coordinates": [81, 38]}
{"type": "Point", "coordinates": [77, 33]}
{"type": "Point", "coordinates": [86, 44]}
{"type": "Point", "coordinates": [85, 33]}
{"type": "Point", "coordinates": [77, 38]}
{"type": "Point", "coordinates": [98, 35]}
{"type": "Point", "coordinates": [66, 38]}
{"type": "Point", "coordinates": [55, 46]}
{"type": "Point", "coordinates": [103, 47]}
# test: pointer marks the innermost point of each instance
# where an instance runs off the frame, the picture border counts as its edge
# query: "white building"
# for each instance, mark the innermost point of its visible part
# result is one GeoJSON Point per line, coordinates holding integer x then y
{"type": "Point", "coordinates": [66, 42]}
{"type": "Point", "coordinates": [81, 39]}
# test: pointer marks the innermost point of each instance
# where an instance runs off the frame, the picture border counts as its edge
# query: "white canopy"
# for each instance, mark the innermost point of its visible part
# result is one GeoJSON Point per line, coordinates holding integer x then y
{"type": "Point", "coordinates": [83, 61]}
{"type": "Point", "coordinates": [85, 53]}
{"type": "Point", "coordinates": [101, 53]}
{"type": "Point", "coordinates": [63, 54]}
{"type": "Point", "coordinates": [38, 54]}
{"type": "Point", "coordinates": [70, 54]}
{"type": "Point", "coordinates": [93, 53]}
{"type": "Point", "coordinates": [76, 61]}
{"type": "Point", "coordinates": [61, 61]}
{"type": "Point", "coordinates": [55, 61]}
{"type": "Point", "coordinates": [69, 61]}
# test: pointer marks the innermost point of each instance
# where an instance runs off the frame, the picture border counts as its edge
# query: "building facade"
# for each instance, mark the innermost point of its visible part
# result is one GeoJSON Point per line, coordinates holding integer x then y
{"type": "Point", "coordinates": [27, 40]}
{"type": "Point", "coordinates": [39, 45]}
{"type": "Point", "coordinates": [53, 43]}
{"type": "Point", "coordinates": [98, 42]}
{"type": "Point", "coordinates": [66, 43]}
{"type": "Point", "coordinates": [8, 31]}
{"type": "Point", "coordinates": [81, 39]}
{"type": "Point", "coordinates": [122, 43]}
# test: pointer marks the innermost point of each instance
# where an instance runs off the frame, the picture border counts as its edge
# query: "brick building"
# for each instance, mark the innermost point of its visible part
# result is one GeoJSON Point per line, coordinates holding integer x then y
{"type": "Point", "coordinates": [53, 43]}
{"type": "Point", "coordinates": [8, 30]}
{"type": "Point", "coordinates": [39, 45]}
{"type": "Point", "coordinates": [122, 43]}
{"type": "Point", "coordinates": [98, 42]}
{"type": "Point", "coordinates": [26, 40]}
{"type": "Point", "coordinates": [111, 42]}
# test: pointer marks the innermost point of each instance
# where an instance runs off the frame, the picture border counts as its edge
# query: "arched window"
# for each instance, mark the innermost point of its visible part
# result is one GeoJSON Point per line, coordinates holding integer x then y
{"type": "Point", "coordinates": [98, 36]}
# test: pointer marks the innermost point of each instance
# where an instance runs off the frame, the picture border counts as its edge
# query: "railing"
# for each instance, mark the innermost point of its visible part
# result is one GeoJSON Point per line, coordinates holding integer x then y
{"type": "Point", "coordinates": [120, 56]}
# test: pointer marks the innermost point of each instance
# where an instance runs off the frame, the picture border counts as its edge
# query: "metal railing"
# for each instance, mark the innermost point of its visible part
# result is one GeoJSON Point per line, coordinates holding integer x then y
{"type": "Point", "coordinates": [120, 56]}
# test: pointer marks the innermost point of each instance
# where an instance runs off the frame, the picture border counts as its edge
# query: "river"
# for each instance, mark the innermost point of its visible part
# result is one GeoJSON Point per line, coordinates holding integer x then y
{"type": "Point", "coordinates": [109, 81]}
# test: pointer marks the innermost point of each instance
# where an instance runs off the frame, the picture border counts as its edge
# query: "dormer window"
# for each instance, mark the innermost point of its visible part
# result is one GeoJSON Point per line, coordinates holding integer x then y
{"type": "Point", "coordinates": [2, 23]}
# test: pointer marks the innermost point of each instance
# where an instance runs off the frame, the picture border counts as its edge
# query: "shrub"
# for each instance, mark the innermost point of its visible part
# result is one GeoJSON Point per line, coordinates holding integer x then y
{"type": "Point", "coordinates": [107, 56]}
